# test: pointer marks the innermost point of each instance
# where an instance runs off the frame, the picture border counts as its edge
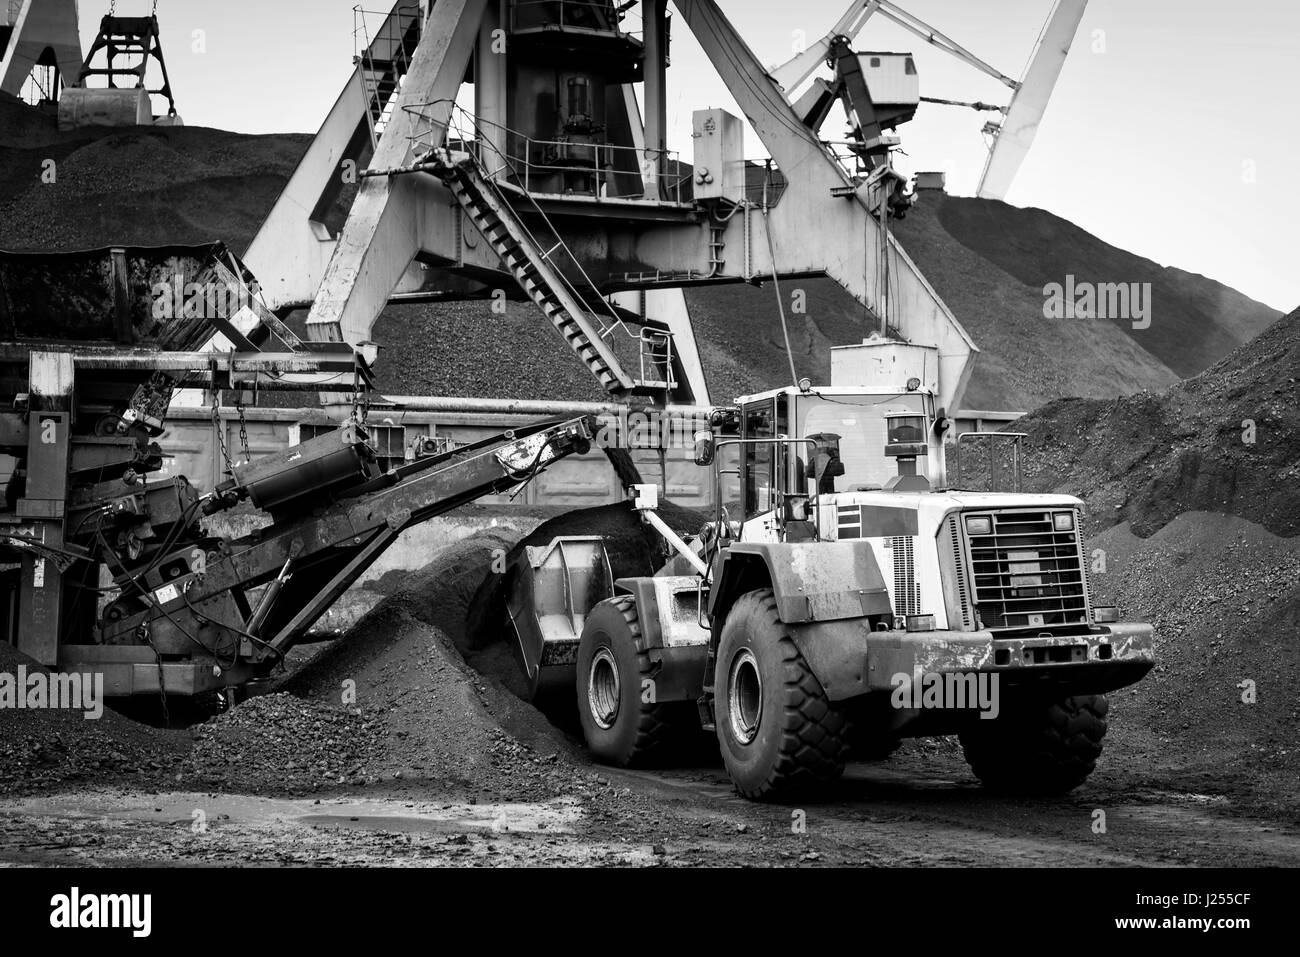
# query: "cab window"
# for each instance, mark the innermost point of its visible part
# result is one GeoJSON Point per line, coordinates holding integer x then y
{"type": "Point", "coordinates": [863, 424]}
{"type": "Point", "coordinates": [757, 457]}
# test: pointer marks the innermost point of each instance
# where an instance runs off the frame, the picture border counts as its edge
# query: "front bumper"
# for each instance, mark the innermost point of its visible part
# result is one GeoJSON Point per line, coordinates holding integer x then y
{"type": "Point", "coordinates": [851, 661]}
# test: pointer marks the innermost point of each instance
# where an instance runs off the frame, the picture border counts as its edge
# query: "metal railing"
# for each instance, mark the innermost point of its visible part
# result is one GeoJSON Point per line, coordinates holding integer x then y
{"type": "Point", "coordinates": [657, 357]}
{"type": "Point", "coordinates": [597, 16]}
{"type": "Point", "coordinates": [382, 55]}
{"type": "Point", "coordinates": [599, 170]}
{"type": "Point", "coordinates": [764, 192]}
{"type": "Point", "coordinates": [459, 128]}
{"type": "Point", "coordinates": [994, 469]}
{"type": "Point", "coordinates": [579, 167]}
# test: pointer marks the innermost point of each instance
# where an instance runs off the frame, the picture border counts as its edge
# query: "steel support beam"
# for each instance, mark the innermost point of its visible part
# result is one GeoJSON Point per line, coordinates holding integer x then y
{"type": "Point", "coordinates": [290, 252]}
{"type": "Point", "coordinates": [655, 14]}
{"type": "Point", "coordinates": [491, 88]}
{"type": "Point", "coordinates": [41, 25]}
{"type": "Point", "coordinates": [383, 233]}
{"type": "Point", "coordinates": [295, 244]}
{"type": "Point", "coordinates": [528, 407]}
{"type": "Point", "coordinates": [43, 509]}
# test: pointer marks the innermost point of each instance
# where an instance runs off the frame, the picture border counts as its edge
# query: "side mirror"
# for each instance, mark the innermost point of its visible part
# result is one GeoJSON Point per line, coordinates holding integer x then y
{"type": "Point", "coordinates": [705, 449]}
{"type": "Point", "coordinates": [942, 424]}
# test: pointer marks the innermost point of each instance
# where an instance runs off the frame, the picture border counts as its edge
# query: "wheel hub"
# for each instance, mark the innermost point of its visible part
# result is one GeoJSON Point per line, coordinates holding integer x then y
{"type": "Point", "coordinates": [603, 689]}
{"type": "Point", "coordinates": [744, 696]}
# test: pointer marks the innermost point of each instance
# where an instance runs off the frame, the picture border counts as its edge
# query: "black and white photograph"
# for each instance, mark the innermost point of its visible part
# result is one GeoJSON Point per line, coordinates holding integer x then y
{"type": "Point", "coordinates": [851, 442]}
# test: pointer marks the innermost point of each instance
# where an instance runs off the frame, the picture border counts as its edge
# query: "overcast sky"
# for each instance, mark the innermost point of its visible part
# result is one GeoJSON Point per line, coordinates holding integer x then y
{"type": "Point", "coordinates": [1173, 133]}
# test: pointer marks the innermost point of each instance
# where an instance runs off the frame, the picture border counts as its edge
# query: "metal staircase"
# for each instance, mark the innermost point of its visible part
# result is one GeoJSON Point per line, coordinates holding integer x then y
{"type": "Point", "coordinates": [385, 59]}
{"type": "Point", "coordinates": [585, 331]}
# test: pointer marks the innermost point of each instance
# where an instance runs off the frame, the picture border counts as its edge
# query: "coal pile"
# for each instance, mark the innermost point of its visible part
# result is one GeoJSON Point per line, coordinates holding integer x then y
{"type": "Point", "coordinates": [1224, 441]}
{"type": "Point", "coordinates": [1196, 529]}
{"type": "Point", "coordinates": [442, 724]}
{"type": "Point", "coordinates": [281, 743]}
{"type": "Point", "coordinates": [465, 349]}
{"type": "Point", "coordinates": [46, 748]}
{"type": "Point", "coordinates": [1194, 321]}
{"type": "Point", "coordinates": [432, 666]}
{"type": "Point", "coordinates": [1224, 597]}
{"type": "Point", "coordinates": [160, 186]}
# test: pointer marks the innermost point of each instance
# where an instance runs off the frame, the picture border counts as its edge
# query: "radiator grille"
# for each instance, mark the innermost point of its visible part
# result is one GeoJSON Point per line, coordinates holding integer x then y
{"type": "Point", "coordinates": [959, 569]}
{"type": "Point", "coordinates": [1027, 575]}
{"type": "Point", "coordinates": [907, 594]}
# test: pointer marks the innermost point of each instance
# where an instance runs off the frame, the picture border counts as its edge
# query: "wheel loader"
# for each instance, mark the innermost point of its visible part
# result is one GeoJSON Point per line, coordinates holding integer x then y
{"type": "Point", "coordinates": [845, 596]}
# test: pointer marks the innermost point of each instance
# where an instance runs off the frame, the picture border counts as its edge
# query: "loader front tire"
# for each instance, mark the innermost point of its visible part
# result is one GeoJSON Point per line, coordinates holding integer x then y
{"type": "Point", "coordinates": [780, 735]}
{"type": "Point", "coordinates": [620, 720]}
{"type": "Point", "coordinates": [1041, 748]}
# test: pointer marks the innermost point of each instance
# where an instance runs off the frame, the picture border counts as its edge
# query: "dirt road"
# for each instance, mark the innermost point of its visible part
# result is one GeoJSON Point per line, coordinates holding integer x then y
{"type": "Point", "coordinates": [919, 809]}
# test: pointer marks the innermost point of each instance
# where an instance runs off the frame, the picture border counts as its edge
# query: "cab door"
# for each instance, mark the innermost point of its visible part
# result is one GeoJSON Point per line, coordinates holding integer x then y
{"type": "Point", "coordinates": [760, 467]}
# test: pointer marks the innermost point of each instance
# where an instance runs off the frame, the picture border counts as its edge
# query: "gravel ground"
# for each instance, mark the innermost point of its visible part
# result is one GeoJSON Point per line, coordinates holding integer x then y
{"type": "Point", "coordinates": [44, 749]}
{"type": "Point", "coordinates": [1224, 596]}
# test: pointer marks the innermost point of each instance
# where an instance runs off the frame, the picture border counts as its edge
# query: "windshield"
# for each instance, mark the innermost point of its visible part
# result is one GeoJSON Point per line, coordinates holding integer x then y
{"type": "Point", "coordinates": [861, 423]}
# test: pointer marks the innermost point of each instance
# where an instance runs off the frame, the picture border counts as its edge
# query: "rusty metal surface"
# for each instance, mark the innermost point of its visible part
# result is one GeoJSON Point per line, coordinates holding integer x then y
{"type": "Point", "coordinates": [851, 660]}
{"type": "Point", "coordinates": [73, 296]}
{"type": "Point", "coordinates": [552, 591]}
{"type": "Point", "coordinates": [813, 581]}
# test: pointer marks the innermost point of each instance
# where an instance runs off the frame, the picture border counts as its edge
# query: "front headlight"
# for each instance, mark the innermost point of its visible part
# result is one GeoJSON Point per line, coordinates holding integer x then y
{"type": "Point", "coordinates": [979, 525]}
{"type": "Point", "coordinates": [1063, 521]}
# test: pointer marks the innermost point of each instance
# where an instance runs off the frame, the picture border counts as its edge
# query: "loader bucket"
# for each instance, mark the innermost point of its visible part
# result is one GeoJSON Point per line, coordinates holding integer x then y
{"type": "Point", "coordinates": [551, 590]}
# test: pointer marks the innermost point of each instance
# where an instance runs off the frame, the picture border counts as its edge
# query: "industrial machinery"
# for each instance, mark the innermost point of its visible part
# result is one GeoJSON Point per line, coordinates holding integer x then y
{"type": "Point", "coordinates": [532, 137]}
{"type": "Point", "coordinates": [122, 54]}
{"type": "Point", "coordinates": [40, 49]}
{"type": "Point", "coordinates": [555, 187]}
{"type": "Point", "coordinates": [845, 597]}
{"type": "Point", "coordinates": [1010, 137]}
{"type": "Point", "coordinates": [107, 563]}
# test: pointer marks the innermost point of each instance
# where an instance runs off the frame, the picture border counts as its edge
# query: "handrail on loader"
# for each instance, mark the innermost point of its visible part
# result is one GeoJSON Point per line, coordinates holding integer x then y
{"type": "Point", "coordinates": [994, 485]}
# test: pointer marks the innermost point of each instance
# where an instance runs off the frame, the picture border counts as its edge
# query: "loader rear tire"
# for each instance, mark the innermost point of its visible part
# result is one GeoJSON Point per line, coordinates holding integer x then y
{"type": "Point", "coordinates": [620, 725]}
{"type": "Point", "coordinates": [1043, 748]}
{"type": "Point", "coordinates": [780, 736]}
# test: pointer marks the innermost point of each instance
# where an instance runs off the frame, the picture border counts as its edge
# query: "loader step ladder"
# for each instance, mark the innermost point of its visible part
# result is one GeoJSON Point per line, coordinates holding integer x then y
{"type": "Point", "coordinates": [534, 269]}
{"type": "Point", "coordinates": [385, 59]}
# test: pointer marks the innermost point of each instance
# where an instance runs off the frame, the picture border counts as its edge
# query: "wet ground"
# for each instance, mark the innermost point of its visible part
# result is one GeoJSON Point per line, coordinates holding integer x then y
{"type": "Point", "coordinates": [916, 810]}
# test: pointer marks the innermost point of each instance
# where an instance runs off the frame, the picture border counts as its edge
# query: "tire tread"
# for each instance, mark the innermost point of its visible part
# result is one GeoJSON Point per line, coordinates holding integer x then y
{"type": "Point", "coordinates": [652, 724]}
{"type": "Point", "coordinates": [814, 732]}
{"type": "Point", "coordinates": [1049, 751]}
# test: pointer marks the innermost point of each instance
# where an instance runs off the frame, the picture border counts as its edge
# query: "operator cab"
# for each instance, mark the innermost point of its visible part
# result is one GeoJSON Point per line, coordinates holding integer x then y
{"type": "Point", "coordinates": [875, 429]}
{"type": "Point", "coordinates": [820, 441]}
